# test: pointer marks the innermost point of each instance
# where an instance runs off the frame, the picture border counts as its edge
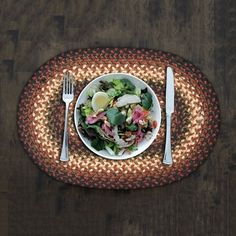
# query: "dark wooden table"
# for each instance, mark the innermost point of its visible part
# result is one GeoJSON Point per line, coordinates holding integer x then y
{"type": "Point", "coordinates": [31, 203]}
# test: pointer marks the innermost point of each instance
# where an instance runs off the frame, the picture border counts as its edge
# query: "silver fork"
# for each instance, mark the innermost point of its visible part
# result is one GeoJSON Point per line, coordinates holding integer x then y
{"type": "Point", "coordinates": [67, 97]}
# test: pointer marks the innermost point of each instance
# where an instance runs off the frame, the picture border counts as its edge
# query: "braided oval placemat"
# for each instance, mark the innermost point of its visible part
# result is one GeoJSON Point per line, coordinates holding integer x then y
{"type": "Point", "coordinates": [194, 129]}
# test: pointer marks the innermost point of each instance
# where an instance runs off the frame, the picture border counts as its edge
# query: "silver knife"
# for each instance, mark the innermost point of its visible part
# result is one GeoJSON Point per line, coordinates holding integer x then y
{"type": "Point", "coordinates": [170, 93]}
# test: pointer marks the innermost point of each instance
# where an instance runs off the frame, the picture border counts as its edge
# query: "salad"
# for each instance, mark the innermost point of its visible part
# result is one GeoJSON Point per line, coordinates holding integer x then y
{"type": "Point", "coordinates": [116, 117]}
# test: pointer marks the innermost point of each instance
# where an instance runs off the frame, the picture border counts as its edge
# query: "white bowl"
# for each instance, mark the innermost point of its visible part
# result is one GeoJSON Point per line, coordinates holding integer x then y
{"type": "Point", "coordinates": [155, 111]}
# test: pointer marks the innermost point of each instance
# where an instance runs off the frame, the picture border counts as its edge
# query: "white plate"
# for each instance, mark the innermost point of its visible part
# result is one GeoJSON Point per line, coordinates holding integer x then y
{"type": "Point", "coordinates": [155, 111]}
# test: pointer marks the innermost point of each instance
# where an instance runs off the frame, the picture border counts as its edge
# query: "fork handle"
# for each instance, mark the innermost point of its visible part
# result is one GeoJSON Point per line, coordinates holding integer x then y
{"type": "Point", "coordinates": [168, 156]}
{"type": "Point", "coordinates": [64, 151]}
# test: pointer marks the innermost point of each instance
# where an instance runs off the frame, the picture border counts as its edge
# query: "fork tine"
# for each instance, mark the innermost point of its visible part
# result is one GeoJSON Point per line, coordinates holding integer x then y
{"type": "Point", "coordinates": [64, 84]}
{"type": "Point", "coordinates": [68, 84]}
{"type": "Point", "coordinates": [72, 86]}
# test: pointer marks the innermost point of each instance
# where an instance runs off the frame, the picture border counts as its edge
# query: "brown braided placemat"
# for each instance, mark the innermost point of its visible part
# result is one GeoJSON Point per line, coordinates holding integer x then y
{"type": "Point", "coordinates": [194, 129]}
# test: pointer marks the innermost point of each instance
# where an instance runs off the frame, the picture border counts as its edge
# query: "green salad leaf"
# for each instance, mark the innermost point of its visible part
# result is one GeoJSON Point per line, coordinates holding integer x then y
{"type": "Point", "coordinates": [98, 144]}
{"type": "Point", "coordinates": [117, 84]}
{"type": "Point", "coordinates": [128, 86]}
{"type": "Point", "coordinates": [132, 127]}
{"type": "Point", "coordinates": [113, 92]}
{"type": "Point", "coordinates": [89, 129]}
{"type": "Point", "coordinates": [115, 117]}
{"type": "Point", "coordinates": [123, 86]}
{"type": "Point", "coordinates": [86, 109]}
{"type": "Point", "coordinates": [105, 85]}
{"type": "Point", "coordinates": [146, 100]}
{"type": "Point", "coordinates": [113, 146]}
{"type": "Point", "coordinates": [116, 149]}
{"type": "Point", "coordinates": [97, 129]}
{"type": "Point", "coordinates": [133, 148]}
{"type": "Point", "coordinates": [137, 91]}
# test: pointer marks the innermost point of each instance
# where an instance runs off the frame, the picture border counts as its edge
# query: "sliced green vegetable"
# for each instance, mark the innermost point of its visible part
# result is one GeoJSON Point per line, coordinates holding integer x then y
{"type": "Point", "coordinates": [129, 113]}
{"type": "Point", "coordinates": [110, 151]}
{"type": "Point", "coordinates": [98, 144]}
{"type": "Point", "coordinates": [146, 100]}
{"type": "Point", "coordinates": [137, 91]}
{"type": "Point", "coordinates": [133, 148]}
{"type": "Point", "coordinates": [116, 149]}
{"type": "Point", "coordinates": [115, 117]}
{"type": "Point", "coordinates": [113, 146]}
{"type": "Point", "coordinates": [132, 127]}
{"type": "Point", "coordinates": [110, 144]}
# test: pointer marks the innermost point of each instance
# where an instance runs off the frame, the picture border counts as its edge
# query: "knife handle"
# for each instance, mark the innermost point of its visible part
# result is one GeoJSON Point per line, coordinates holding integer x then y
{"type": "Point", "coordinates": [168, 156]}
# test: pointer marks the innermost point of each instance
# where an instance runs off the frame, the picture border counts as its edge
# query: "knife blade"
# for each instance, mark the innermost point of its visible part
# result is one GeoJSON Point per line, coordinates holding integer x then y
{"type": "Point", "coordinates": [170, 91]}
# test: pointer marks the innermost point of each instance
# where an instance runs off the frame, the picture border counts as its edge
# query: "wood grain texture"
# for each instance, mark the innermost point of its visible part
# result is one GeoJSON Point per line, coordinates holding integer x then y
{"type": "Point", "coordinates": [31, 32]}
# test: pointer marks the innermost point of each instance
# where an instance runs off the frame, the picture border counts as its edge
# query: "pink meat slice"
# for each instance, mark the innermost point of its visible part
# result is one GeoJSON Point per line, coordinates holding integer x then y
{"type": "Point", "coordinates": [107, 130]}
{"type": "Point", "coordinates": [93, 119]}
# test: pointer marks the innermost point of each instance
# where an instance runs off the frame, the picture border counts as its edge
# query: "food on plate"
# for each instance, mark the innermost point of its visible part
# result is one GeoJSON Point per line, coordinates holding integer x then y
{"type": "Point", "coordinates": [117, 116]}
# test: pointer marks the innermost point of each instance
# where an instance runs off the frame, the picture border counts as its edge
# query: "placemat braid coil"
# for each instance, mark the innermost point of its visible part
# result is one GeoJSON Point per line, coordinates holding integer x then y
{"type": "Point", "coordinates": [195, 125]}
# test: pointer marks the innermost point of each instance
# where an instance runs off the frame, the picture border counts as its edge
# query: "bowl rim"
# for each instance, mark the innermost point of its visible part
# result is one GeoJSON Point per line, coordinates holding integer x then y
{"type": "Point", "coordinates": [110, 157]}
